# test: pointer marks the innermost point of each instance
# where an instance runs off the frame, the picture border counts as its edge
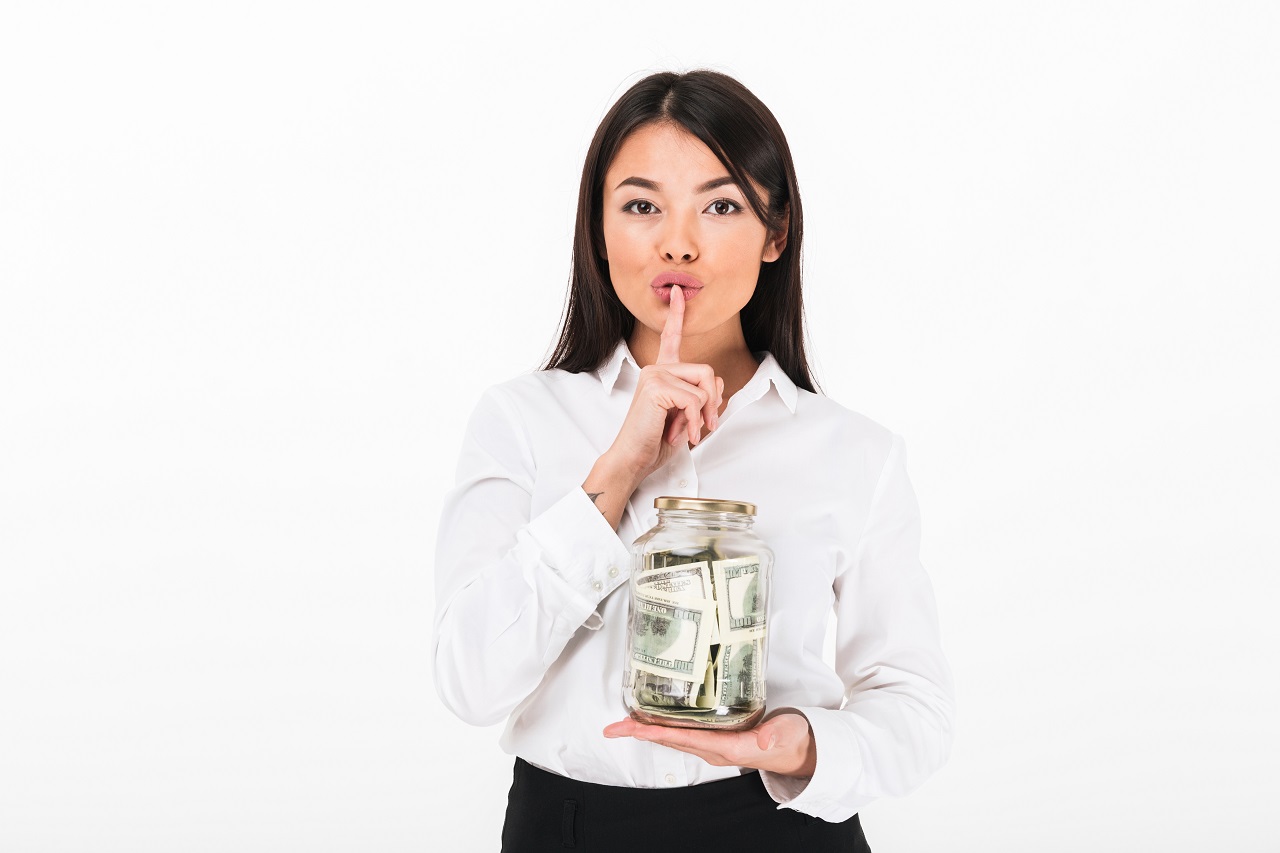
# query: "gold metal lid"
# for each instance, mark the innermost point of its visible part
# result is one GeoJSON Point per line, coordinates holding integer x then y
{"type": "Point", "coordinates": [704, 505]}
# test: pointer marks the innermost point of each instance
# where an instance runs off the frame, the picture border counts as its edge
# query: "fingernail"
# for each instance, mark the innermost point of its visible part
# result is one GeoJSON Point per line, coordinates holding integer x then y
{"type": "Point", "coordinates": [772, 740]}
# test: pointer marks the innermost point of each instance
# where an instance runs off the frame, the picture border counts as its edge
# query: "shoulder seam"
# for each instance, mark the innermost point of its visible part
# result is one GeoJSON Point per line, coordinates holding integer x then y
{"type": "Point", "coordinates": [502, 400]}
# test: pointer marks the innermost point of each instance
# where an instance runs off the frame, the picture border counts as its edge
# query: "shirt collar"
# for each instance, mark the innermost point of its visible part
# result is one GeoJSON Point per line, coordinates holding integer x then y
{"type": "Point", "coordinates": [608, 372]}
{"type": "Point", "coordinates": [768, 373]}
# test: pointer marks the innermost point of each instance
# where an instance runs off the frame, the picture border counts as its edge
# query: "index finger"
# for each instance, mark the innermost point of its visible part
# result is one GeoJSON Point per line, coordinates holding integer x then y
{"type": "Point", "coordinates": [669, 347]}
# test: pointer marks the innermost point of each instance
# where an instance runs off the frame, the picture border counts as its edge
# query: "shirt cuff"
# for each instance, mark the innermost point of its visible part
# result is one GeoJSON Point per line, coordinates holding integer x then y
{"type": "Point", "coordinates": [582, 551]}
{"type": "Point", "coordinates": [826, 794]}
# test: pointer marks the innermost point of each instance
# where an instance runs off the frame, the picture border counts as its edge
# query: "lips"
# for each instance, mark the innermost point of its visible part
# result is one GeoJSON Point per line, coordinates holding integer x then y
{"type": "Point", "coordinates": [689, 286]}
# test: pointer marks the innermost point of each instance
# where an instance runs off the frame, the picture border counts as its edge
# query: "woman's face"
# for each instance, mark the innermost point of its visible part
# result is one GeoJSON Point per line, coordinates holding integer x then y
{"type": "Point", "coordinates": [673, 213]}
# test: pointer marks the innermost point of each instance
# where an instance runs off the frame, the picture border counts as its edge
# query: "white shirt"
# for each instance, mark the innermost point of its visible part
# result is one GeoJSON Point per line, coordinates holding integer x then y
{"type": "Point", "coordinates": [531, 621]}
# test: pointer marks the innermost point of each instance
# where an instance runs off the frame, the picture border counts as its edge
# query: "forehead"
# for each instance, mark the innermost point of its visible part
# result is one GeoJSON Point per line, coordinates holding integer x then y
{"type": "Point", "coordinates": [665, 153]}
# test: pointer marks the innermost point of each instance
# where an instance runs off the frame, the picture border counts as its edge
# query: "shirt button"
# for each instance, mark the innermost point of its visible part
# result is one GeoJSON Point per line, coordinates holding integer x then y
{"type": "Point", "coordinates": [683, 483]}
{"type": "Point", "coordinates": [597, 586]}
{"type": "Point", "coordinates": [613, 571]}
{"type": "Point", "coordinates": [671, 779]}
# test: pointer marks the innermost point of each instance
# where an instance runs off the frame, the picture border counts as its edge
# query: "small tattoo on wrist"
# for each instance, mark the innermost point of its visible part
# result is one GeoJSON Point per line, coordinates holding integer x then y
{"type": "Point", "coordinates": [594, 495]}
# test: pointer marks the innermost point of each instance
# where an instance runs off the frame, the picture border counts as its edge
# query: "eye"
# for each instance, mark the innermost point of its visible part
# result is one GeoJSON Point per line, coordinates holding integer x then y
{"type": "Point", "coordinates": [724, 207]}
{"type": "Point", "coordinates": [640, 207]}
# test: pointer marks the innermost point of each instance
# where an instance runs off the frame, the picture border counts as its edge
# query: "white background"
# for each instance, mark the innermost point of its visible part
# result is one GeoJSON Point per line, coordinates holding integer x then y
{"type": "Point", "coordinates": [259, 259]}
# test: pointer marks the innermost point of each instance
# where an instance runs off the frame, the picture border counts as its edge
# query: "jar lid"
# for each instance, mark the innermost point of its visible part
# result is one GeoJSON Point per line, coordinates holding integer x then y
{"type": "Point", "coordinates": [704, 505]}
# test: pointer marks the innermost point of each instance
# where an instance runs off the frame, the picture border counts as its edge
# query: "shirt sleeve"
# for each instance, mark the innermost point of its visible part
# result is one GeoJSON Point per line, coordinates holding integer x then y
{"type": "Point", "coordinates": [895, 728]}
{"type": "Point", "coordinates": [511, 588]}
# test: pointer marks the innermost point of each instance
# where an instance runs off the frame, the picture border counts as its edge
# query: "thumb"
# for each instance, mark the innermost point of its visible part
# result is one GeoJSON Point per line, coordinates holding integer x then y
{"type": "Point", "coordinates": [766, 737]}
{"type": "Point", "coordinates": [676, 427]}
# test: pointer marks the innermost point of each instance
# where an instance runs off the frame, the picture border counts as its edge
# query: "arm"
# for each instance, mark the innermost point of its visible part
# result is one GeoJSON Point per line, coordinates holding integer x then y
{"type": "Point", "coordinates": [895, 728]}
{"type": "Point", "coordinates": [511, 589]}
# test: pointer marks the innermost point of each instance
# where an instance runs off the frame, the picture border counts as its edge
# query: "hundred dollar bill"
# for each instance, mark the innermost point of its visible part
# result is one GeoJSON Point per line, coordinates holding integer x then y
{"type": "Point", "coordinates": [741, 668]}
{"type": "Point", "coordinates": [672, 638]}
{"type": "Point", "coordinates": [689, 582]}
{"type": "Point", "coordinates": [663, 691]}
{"type": "Point", "coordinates": [704, 553]}
{"type": "Point", "coordinates": [739, 603]}
{"type": "Point", "coordinates": [674, 694]}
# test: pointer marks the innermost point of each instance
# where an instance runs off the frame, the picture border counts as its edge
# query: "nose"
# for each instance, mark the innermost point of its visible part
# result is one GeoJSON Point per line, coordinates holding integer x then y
{"type": "Point", "coordinates": [679, 243]}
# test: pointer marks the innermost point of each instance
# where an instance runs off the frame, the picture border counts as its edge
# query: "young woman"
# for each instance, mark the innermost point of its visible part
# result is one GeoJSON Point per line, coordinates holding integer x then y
{"type": "Point", "coordinates": [681, 370]}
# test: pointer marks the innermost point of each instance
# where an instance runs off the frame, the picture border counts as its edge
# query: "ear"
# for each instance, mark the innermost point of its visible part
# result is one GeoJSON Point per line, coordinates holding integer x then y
{"type": "Point", "coordinates": [777, 242]}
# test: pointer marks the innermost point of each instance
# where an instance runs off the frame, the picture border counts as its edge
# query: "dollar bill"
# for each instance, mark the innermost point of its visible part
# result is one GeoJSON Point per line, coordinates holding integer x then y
{"type": "Point", "coordinates": [682, 557]}
{"type": "Point", "coordinates": [672, 638]}
{"type": "Point", "coordinates": [663, 691]}
{"type": "Point", "coordinates": [685, 583]}
{"type": "Point", "coordinates": [739, 603]}
{"type": "Point", "coordinates": [682, 582]}
{"type": "Point", "coordinates": [741, 672]}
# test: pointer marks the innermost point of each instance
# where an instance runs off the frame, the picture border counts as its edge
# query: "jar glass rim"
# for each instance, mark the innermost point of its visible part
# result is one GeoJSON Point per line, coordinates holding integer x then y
{"type": "Point", "coordinates": [704, 504]}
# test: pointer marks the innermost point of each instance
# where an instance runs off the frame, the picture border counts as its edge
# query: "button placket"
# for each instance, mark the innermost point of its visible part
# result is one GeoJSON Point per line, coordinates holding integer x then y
{"type": "Point", "coordinates": [683, 474]}
{"type": "Point", "coordinates": [670, 770]}
{"type": "Point", "coordinates": [685, 478]}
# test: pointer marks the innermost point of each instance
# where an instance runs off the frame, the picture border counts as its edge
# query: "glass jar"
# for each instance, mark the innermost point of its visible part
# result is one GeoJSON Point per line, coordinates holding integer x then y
{"type": "Point", "coordinates": [696, 638]}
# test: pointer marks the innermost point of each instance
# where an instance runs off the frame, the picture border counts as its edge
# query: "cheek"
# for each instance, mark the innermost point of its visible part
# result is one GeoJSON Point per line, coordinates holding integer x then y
{"type": "Point", "coordinates": [750, 247]}
{"type": "Point", "coordinates": [744, 256]}
{"type": "Point", "coordinates": [618, 246]}
{"type": "Point", "coordinates": [624, 250]}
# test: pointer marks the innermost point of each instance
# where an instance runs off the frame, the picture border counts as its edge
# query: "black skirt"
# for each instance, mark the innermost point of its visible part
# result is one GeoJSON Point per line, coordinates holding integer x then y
{"type": "Point", "coordinates": [546, 812]}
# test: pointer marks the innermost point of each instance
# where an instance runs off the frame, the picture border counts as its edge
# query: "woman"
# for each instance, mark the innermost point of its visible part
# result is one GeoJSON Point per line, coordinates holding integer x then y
{"type": "Point", "coordinates": [681, 370]}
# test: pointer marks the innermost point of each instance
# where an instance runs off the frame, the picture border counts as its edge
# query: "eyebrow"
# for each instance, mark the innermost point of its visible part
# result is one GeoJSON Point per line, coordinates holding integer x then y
{"type": "Point", "coordinates": [654, 186]}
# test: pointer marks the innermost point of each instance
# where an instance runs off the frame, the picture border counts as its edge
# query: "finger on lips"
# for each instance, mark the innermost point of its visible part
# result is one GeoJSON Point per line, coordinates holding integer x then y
{"type": "Point", "coordinates": [669, 345]}
{"type": "Point", "coordinates": [706, 411]}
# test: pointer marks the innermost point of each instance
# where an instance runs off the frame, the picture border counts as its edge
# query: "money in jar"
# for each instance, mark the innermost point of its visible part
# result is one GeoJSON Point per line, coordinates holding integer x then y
{"type": "Point", "coordinates": [697, 638]}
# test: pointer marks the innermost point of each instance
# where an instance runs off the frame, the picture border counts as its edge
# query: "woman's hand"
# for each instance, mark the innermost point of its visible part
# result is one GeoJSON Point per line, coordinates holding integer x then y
{"type": "Point", "coordinates": [672, 401]}
{"type": "Point", "coordinates": [783, 744]}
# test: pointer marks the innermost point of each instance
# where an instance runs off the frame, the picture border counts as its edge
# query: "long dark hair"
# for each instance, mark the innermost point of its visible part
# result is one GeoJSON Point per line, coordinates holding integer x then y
{"type": "Point", "coordinates": [747, 139]}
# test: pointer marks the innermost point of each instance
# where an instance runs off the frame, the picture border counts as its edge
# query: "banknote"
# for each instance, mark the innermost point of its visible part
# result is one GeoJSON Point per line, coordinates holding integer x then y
{"type": "Point", "coordinates": [741, 672]}
{"type": "Point", "coordinates": [739, 603]}
{"type": "Point", "coordinates": [672, 638]}
{"type": "Point", "coordinates": [682, 582]}
{"type": "Point", "coordinates": [663, 691]}
{"type": "Point", "coordinates": [689, 582]}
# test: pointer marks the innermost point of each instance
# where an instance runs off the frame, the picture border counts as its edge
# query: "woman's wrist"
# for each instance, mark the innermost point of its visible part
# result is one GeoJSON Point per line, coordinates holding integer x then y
{"type": "Point", "coordinates": [610, 485]}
